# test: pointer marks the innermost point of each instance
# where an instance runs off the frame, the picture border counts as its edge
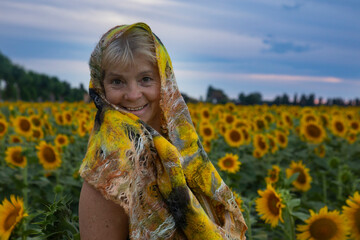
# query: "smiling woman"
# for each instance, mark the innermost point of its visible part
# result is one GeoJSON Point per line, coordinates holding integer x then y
{"type": "Point", "coordinates": [146, 173]}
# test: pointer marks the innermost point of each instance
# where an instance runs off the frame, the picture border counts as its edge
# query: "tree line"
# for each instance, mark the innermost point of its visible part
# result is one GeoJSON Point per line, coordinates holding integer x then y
{"type": "Point", "coordinates": [218, 96]}
{"type": "Point", "coordinates": [16, 83]}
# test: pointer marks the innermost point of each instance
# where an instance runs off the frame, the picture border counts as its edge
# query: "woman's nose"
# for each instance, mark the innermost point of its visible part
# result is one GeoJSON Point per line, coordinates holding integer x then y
{"type": "Point", "coordinates": [133, 92]}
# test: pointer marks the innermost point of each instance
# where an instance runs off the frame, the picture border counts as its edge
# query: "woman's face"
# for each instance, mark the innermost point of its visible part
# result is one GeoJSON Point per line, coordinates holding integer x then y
{"type": "Point", "coordinates": [136, 89]}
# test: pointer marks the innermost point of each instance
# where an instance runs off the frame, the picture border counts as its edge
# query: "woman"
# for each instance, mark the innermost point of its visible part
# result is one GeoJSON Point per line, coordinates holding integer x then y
{"type": "Point", "coordinates": [146, 173]}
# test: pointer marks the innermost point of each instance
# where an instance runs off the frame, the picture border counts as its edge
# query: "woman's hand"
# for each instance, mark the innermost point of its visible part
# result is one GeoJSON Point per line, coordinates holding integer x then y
{"type": "Point", "coordinates": [100, 218]}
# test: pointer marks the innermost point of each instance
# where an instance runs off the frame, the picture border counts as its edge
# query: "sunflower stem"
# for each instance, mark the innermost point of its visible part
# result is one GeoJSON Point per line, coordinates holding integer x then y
{"type": "Point", "coordinates": [340, 186]}
{"type": "Point", "coordinates": [25, 194]}
{"type": "Point", "coordinates": [248, 220]}
{"type": "Point", "coordinates": [289, 224]}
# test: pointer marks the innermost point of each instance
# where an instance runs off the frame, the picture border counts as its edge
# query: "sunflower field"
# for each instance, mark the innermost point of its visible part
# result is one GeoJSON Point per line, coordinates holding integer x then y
{"type": "Point", "coordinates": [293, 170]}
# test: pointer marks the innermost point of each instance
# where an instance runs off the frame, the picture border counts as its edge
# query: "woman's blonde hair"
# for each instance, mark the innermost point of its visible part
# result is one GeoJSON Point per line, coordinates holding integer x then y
{"type": "Point", "coordinates": [122, 50]}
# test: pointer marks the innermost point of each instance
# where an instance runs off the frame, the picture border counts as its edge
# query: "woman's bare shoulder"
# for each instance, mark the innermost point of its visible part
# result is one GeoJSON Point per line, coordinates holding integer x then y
{"type": "Point", "coordinates": [100, 218]}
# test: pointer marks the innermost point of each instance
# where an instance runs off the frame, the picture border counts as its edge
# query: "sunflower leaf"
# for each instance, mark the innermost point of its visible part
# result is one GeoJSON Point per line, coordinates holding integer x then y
{"type": "Point", "coordinates": [300, 215]}
{"type": "Point", "coordinates": [293, 203]}
{"type": "Point", "coordinates": [293, 177]}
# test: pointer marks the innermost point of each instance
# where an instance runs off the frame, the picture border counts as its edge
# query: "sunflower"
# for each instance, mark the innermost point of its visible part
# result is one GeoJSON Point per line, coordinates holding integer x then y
{"type": "Point", "coordinates": [351, 137]}
{"type": "Point", "coordinates": [246, 135]}
{"type": "Point", "coordinates": [23, 126]}
{"type": "Point", "coordinates": [324, 225]}
{"type": "Point", "coordinates": [273, 175]}
{"type": "Point", "coordinates": [234, 137]}
{"type": "Point", "coordinates": [15, 157]}
{"type": "Point", "coordinates": [352, 215]}
{"type": "Point", "coordinates": [304, 179]}
{"type": "Point", "coordinates": [61, 140]}
{"type": "Point", "coordinates": [338, 126]}
{"type": "Point", "coordinates": [257, 153]}
{"type": "Point", "coordinates": [15, 139]}
{"type": "Point", "coordinates": [272, 143]}
{"type": "Point", "coordinates": [229, 163]}
{"type": "Point", "coordinates": [281, 139]}
{"type": "Point", "coordinates": [324, 119]}
{"type": "Point", "coordinates": [36, 121]}
{"type": "Point", "coordinates": [82, 129]}
{"type": "Point", "coordinates": [287, 119]}
{"type": "Point", "coordinates": [48, 156]}
{"type": "Point", "coordinates": [260, 124]}
{"type": "Point", "coordinates": [11, 214]}
{"type": "Point", "coordinates": [59, 118]}
{"type": "Point", "coordinates": [320, 151]}
{"type": "Point", "coordinates": [260, 143]}
{"type": "Point", "coordinates": [269, 205]}
{"type": "Point", "coordinates": [354, 125]}
{"type": "Point", "coordinates": [269, 118]}
{"type": "Point", "coordinates": [310, 117]}
{"type": "Point", "coordinates": [207, 131]}
{"type": "Point", "coordinates": [207, 145]}
{"type": "Point", "coordinates": [67, 117]}
{"type": "Point", "coordinates": [37, 133]}
{"type": "Point", "coordinates": [230, 106]}
{"type": "Point", "coordinates": [313, 132]}
{"type": "Point", "coordinates": [3, 127]}
{"type": "Point", "coordinates": [205, 114]}
{"type": "Point", "coordinates": [229, 118]}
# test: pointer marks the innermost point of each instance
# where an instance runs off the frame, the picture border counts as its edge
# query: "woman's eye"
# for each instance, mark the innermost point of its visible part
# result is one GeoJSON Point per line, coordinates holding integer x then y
{"type": "Point", "coordinates": [146, 79]}
{"type": "Point", "coordinates": [116, 81]}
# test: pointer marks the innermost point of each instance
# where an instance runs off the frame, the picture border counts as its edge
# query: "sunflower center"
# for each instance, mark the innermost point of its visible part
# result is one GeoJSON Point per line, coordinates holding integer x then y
{"type": "Point", "coordinates": [323, 229]}
{"type": "Point", "coordinates": [261, 143]}
{"type": "Point", "coordinates": [339, 126]}
{"type": "Point", "coordinates": [206, 114]}
{"type": "Point", "coordinates": [25, 125]}
{"type": "Point", "coordinates": [246, 134]}
{"type": "Point", "coordinates": [273, 203]}
{"type": "Point", "coordinates": [229, 119]}
{"type": "Point", "coordinates": [17, 157]}
{"type": "Point", "coordinates": [16, 140]}
{"type": "Point", "coordinates": [354, 126]}
{"type": "Point", "coordinates": [36, 133]}
{"type": "Point", "coordinates": [68, 117]}
{"type": "Point", "coordinates": [313, 131]}
{"type": "Point", "coordinates": [235, 136]}
{"type": "Point", "coordinates": [260, 124]}
{"type": "Point", "coordinates": [228, 163]}
{"type": "Point", "coordinates": [11, 219]}
{"type": "Point", "coordinates": [36, 122]}
{"type": "Point", "coordinates": [281, 138]}
{"type": "Point", "coordinates": [2, 127]}
{"type": "Point", "coordinates": [61, 140]}
{"type": "Point", "coordinates": [49, 155]}
{"type": "Point", "coordinates": [288, 120]}
{"type": "Point", "coordinates": [273, 175]}
{"type": "Point", "coordinates": [207, 131]}
{"type": "Point", "coordinates": [301, 178]}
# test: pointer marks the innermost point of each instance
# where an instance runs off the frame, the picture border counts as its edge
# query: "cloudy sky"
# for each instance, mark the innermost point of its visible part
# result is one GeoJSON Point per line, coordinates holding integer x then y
{"type": "Point", "coordinates": [267, 46]}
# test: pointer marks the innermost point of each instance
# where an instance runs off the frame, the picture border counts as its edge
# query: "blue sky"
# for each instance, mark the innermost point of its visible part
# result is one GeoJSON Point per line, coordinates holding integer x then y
{"type": "Point", "coordinates": [267, 46]}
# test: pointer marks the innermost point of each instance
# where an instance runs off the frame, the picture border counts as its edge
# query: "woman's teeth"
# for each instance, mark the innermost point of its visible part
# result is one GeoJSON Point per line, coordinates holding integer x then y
{"type": "Point", "coordinates": [134, 109]}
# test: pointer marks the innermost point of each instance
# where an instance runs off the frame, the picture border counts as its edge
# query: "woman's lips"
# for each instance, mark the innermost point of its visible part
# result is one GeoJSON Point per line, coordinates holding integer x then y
{"type": "Point", "coordinates": [136, 111]}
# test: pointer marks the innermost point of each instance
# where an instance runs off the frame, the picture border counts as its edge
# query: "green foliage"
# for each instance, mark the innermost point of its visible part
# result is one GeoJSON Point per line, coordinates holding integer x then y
{"type": "Point", "coordinates": [30, 86]}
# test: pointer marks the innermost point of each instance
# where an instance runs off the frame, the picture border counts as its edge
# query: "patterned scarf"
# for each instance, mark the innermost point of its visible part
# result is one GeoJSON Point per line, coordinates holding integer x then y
{"type": "Point", "coordinates": [167, 185]}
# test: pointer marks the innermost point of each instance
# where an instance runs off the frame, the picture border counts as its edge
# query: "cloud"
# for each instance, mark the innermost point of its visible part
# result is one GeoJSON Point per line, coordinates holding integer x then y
{"type": "Point", "coordinates": [285, 46]}
{"type": "Point", "coordinates": [295, 6]}
{"type": "Point", "coordinates": [276, 78]}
